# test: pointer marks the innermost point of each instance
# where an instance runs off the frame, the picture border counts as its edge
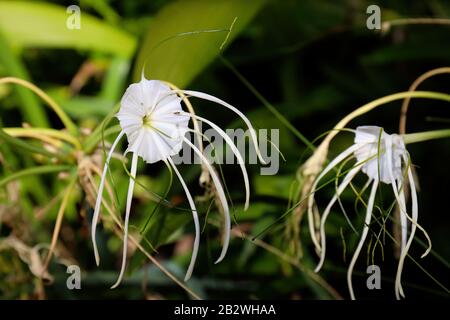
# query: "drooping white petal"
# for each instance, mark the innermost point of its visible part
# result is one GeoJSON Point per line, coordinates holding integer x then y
{"type": "Point", "coordinates": [403, 220]}
{"type": "Point", "coordinates": [343, 155]}
{"type": "Point", "coordinates": [133, 170]}
{"type": "Point", "coordinates": [363, 237]}
{"type": "Point", "coordinates": [347, 179]}
{"type": "Point", "coordinates": [400, 199]}
{"type": "Point", "coordinates": [98, 201]}
{"type": "Point", "coordinates": [235, 151]}
{"type": "Point", "coordinates": [380, 155]}
{"type": "Point", "coordinates": [196, 221]}
{"type": "Point", "coordinates": [211, 98]}
{"type": "Point", "coordinates": [413, 184]}
{"type": "Point", "coordinates": [414, 224]}
{"type": "Point", "coordinates": [222, 197]}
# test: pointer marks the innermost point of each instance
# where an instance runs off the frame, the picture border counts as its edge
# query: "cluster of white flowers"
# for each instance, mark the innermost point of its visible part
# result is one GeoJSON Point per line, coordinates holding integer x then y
{"type": "Point", "coordinates": [152, 118]}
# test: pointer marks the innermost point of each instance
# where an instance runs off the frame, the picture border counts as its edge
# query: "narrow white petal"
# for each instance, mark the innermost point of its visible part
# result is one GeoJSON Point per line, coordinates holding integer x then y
{"type": "Point", "coordinates": [222, 197]}
{"type": "Point", "coordinates": [400, 201]}
{"type": "Point", "coordinates": [211, 98]}
{"type": "Point", "coordinates": [363, 237]}
{"type": "Point", "coordinates": [196, 221]}
{"type": "Point", "coordinates": [133, 170]}
{"type": "Point", "coordinates": [344, 154]}
{"type": "Point", "coordinates": [347, 179]}
{"type": "Point", "coordinates": [98, 202]}
{"type": "Point", "coordinates": [398, 286]}
{"type": "Point", "coordinates": [234, 150]}
{"type": "Point", "coordinates": [403, 219]}
{"type": "Point", "coordinates": [169, 162]}
{"type": "Point", "coordinates": [414, 189]}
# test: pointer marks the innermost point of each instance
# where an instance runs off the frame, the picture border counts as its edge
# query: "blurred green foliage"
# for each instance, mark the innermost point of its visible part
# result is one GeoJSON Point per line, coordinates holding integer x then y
{"type": "Point", "coordinates": [313, 61]}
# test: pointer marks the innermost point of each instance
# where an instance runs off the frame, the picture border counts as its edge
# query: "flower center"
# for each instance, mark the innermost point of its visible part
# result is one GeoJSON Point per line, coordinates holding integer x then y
{"type": "Point", "coordinates": [146, 121]}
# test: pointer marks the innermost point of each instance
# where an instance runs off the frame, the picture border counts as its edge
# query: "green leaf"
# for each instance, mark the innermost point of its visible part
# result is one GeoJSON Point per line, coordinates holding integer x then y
{"type": "Point", "coordinates": [178, 59]}
{"type": "Point", "coordinates": [277, 186]}
{"type": "Point", "coordinates": [25, 146]}
{"type": "Point", "coordinates": [37, 24]}
{"type": "Point", "coordinates": [30, 107]}
{"type": "Point", "coordinates": [82, 106]}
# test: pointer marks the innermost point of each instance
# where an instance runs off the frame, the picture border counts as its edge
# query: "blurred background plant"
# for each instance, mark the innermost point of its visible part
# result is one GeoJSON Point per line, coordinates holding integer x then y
{"type": "Point", "coordinates": [299, 66]}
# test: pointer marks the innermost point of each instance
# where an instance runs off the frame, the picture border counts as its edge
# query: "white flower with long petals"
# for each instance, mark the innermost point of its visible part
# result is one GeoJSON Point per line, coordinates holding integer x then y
{"type": "Point", "coordinates": [383, 158]}
{"type": "Point", "coordinates": [152, 118]}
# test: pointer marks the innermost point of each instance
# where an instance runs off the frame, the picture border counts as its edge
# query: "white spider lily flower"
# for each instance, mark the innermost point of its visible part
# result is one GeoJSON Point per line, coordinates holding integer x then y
{"type": "Point", "coordinates": [152, 118]}
{"type": "Point", "coordinates": [383, 158]}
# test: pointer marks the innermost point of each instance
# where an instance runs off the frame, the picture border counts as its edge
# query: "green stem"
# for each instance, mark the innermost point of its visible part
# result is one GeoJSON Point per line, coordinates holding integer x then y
{"type": "Point", "coordinates": [377, 103]}
{"type": "Point", "coordinates": [29, 106]}
{"type": "Point", "coordinates": [156, 208]}
{"type": "Point", "coordinates": [267, 104]}
{"type": "Point", "coordinates": [60, 135]}
{"type": "Point", "coordinates": [99, 132]}
{"type": "Point", "coordinates": [71, 127]}
{"type": "Point", "coordinates": [34, 171]}
{"type": "Point", "coordinates": [27, 146]}
{"type": "Point", "coordinates": [92, 141]}
{"type": "Point", "coordinates": [425, 136]}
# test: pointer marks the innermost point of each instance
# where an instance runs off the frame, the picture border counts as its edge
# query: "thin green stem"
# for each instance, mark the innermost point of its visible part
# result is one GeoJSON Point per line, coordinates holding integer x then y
{"type": "Point", "coordinates": [53, 133]}
{"type": "Point", "coordinates": [426, 136]}
{"type": "Point", "coordinates": [158, 205]}
{"type": "Point", "coordinates": [267, 104]}
{"type": "Point", "coordinates": [73, 129]}
{"type": "Point", "coordinates": [34, 171]}
{"type": "Point", "coordinates": [27, 146]}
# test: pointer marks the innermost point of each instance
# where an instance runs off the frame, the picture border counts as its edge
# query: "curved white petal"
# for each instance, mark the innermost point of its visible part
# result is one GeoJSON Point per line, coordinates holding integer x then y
{"type": "Point", "coordinates": [363, 237]}
{"type": "Point", "coordinates": [400, 200]}
{"type": "Point", "coordinates": [347, 179]}
{"type": "Point", "coordinates": [235, 151]}
{"type": "Point", "coordinates": [343, 155]}
{"type": "Point", "coordinates": [222, 197]}
{"type": "Point", "coordinates": [211, 98]}
{"type": "Point", "coordinates": [98, 201]}
{"type": "Point", "coordinates": [403, 220]}
{"type": "Point", "coordinates": [133, 170]}
{"type": "Point", "coordinates": [196, 221]}
{"type": "Point", "coordinates": [414, 224]}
